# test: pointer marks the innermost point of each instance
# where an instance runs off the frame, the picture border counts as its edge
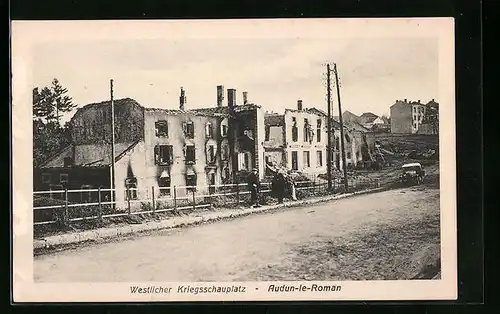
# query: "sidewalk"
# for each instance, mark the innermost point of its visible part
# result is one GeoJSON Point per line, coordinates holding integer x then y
{"type": "Point", "coordinates": [102, 234]}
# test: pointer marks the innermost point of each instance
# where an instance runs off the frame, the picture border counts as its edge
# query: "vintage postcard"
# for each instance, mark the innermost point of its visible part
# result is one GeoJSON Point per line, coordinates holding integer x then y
{"type": "Point", "coordinates": [234, 160]}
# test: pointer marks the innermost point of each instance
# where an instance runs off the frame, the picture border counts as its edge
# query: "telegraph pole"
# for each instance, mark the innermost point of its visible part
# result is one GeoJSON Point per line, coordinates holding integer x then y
{"type": "Point", "coordinates": [329, 130]}
{"type": "Point", "coordinates": [341, 128]}
{"type": "Point", "coordinates": [112, 145]}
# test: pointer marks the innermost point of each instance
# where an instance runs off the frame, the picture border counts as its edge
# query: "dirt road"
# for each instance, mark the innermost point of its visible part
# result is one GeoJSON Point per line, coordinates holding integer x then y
{"type": "Point", "coordinates": [373, 236]}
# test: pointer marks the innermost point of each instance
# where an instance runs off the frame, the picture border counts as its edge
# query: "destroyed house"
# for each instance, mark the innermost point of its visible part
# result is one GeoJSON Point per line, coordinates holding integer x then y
{"type": "Point", "coordinates": [155, 149]}
{"type": "Point", "coordinates": [297, 140]}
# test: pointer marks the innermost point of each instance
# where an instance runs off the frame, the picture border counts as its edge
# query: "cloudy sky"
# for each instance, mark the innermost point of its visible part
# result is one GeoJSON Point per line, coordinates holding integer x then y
{"type": "Point", "coordinates": [276, 72]}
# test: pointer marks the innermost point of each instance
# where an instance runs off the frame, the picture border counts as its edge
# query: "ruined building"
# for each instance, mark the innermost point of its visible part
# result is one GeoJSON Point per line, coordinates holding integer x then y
{"type": "Point", "coordinates": [297, 140]}
{"type": "Point", "coordinates": [157, 149]}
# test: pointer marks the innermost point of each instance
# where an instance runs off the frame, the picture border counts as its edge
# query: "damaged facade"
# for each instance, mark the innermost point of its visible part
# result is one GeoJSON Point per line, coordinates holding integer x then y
{"type": "Point", "coordinates": [158, 148]}
{"type": "Point", "coordinates": [297, 140]}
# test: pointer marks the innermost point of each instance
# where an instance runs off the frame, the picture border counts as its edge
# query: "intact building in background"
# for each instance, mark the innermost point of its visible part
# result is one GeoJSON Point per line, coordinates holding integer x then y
{"type": "Point", "coordinates": [414, 117]}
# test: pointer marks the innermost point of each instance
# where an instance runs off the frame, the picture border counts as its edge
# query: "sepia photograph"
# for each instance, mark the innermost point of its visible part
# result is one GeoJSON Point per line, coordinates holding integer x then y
{"type": "Point", "coordinates": [308, 159]}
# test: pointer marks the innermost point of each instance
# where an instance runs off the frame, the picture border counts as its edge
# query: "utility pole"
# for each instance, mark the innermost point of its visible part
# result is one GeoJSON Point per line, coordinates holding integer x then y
{"type": "Point", "coordinates": [341, 128]}
{"type": "Point", "coordinates": [329, 130]}
{"type": "Point", "coordinates": [112, 145]}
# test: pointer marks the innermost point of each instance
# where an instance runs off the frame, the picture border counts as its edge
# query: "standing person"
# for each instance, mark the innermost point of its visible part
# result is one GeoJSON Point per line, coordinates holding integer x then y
{"type": "Point", "coordinates": [254, 187]}
{"type": "Point", "coordinates": [280, 183]}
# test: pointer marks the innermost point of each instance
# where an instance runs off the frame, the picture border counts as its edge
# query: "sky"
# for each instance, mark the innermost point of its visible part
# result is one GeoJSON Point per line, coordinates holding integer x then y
{"type": "Point", "coordinates": [276, 72]}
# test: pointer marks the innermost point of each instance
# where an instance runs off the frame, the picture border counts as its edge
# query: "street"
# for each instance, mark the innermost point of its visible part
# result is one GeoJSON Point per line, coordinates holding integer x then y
{"type": "Point", "coordinates": [367, 237]}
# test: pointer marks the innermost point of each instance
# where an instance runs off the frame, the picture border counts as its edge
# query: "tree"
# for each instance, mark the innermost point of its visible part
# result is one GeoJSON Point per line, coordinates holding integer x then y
{"type": "Point", "coordinates": [49, 137]}
{"type": "Point", "coordinates": [60, 101]}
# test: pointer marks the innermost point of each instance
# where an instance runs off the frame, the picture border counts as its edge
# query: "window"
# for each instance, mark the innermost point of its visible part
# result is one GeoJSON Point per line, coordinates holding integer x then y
{"type": "Point", "coordinates": [307, 160]}
{"type": "Point", "coordinates": [161, 128]}
{"type": "Point", "coordinates": [190, 154]}
{"type": "Point", "coordinates": [319, 158]}
{"type": "Point", "coordinates": [306, 130]}
{"type": "Point", "coordinates": [58, 194]}
{"type": "Point", "coordinates": [244, 161]}
{"type": "Point", "coordinates": [46, 178]}
{"type": "Point", "coordinates": [224, 130]}
{"type": "Point", "coordinates": [211, 154]}
{"type": "Point", "coordinates": [268, 131]}
{"type": "Point", "coordinates": [164, 154]}
{"type": "Point", "coordinates": [211, 182]}
{"type": "Point", "coordinates": [347, 138]}
{"type": "Point", "coordinates": [318, 130]}
{"type": "Point", "coordinates": [337, 143]}
{"type": "Point", "coordinates": [191, 182]}
{"type": "Point", "coordinates": [131, 188]}
{"type": "Point", "coordinates": [225, 152]}
{"type": "Point", "coordinates": [349, 155]}
{"type": "Point", "coordinates": [68, 161]}
{"type": "Point", "coordinates": [226, 174]}
{"type": "Point", "coordinates": [164, 185]}
{"type": "Point", "coordinates": [86, 196]}
{"type": "Point", "coordinates": [63, 178]}
{"type": "Point", "coordinates": [209, 131]}
{"type": "Point", "coordinates": [295, 131]}
{"type": "Point", "coordinates": [189, 129]}
{"type": "Point", "coordinates": [295, 164]}
{"type": "Point", "coordinates": [358, 155]}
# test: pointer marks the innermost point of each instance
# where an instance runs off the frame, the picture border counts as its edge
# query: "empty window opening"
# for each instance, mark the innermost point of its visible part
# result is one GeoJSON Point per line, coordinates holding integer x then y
{"type": "Point", "coordinates": [295, 130]}
{"type": "Point", "coordinates": [190, 154]}
{"type": "Point", "coordinates": [63, 178]}
{"type": "Point", "coordinates": [189, 129]}
{"type": "Point", "coordinates": [131, 188]}
{"type": "Point", "coordinates": [191, 182]}
{"type": "Point", "coordinates": [209, 131]}
{"type": "Point", "coordinates": [164, 184]}
{"type": "Point", "coordinates": [211, 154]}
{"type": "Point", "coordinates": [46, 178]}
{"type": "Point", "coordinates": [295, 164]}
{"type": "Point", "coordinates": [224, 130]}
{"type": "Point", "coordinates": [319, 158]}
{"type": "Point", "coordinates": [306, 130]}
{"type": "Point", "coordinates": [318, 130]}
{"type": "Point", "coordinates": [161, 128]}
{"type": "Point", "coordinates": [164, 154]}
{"type": "Point", "coordinates": [307, 159]}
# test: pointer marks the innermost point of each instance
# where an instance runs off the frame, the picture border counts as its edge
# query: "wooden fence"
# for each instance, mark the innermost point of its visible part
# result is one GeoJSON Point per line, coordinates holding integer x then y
{"type": "Point", "coordinates": [66, 206]}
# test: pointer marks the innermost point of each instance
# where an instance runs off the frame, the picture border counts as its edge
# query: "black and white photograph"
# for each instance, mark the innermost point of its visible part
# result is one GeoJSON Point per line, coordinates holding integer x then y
{"type": "Point", "coordinates": [234, 160]}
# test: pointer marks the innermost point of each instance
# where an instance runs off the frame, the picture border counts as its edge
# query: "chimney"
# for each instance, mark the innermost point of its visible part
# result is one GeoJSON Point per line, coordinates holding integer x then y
{"type": "Point", "coordinates": [220, 95]}
{"type": "Point", "coordinates": [182, 99]}
{"type": "Point", "coordinates": [299, 104]}
{"type": "Point", "coordinates": [406, 100]}
{"type": "Point", "coordinates": [419, 101]}
{"type": "Point", "coordinates": [231, 97]}
{"type": "Point", "coordinates": [245, 98]}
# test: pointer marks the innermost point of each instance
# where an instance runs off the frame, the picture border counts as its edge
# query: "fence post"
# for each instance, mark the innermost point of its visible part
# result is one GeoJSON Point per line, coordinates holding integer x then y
{"type": "Point", "coordinates": [238, 193]}
{"type": "Point", "coordinates": [128, 199]}
{"type": "Point", "coordinates": [194, 199]}
{"type": "Point", "coordinates": [66, 211]}
{"type": "Point", "coordinates": [224, 191]}
{"type": "Point", "coordinates": [100, 205]}
{"type": "Point", "coordinates": [153, 196]}
{"type": "Point", "coordinates": [210, 195]}
{"type": "Point", "coordinates": [175, 198]}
